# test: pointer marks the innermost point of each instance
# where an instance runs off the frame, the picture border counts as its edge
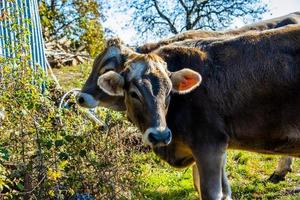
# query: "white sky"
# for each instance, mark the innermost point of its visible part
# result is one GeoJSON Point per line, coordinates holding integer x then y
{"type": "Point", "coordinates": [116, 21]}
{"type": "Point", "coordinates": [282, 7]}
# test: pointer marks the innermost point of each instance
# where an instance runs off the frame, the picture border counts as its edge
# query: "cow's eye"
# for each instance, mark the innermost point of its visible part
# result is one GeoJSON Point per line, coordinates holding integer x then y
{"type": "Point", "coordinates": [134, 95]}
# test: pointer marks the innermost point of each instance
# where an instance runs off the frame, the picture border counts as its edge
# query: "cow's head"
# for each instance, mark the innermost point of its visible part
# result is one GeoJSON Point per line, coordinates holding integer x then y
{"type": "Point", "coordinates": [146, 85]}
{"type": "Point", "coordinates": [111, 59]}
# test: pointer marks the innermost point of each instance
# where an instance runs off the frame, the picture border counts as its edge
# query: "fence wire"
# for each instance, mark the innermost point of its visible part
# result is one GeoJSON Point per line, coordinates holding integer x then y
{"type": "Point", "coordinates": [28, 18]}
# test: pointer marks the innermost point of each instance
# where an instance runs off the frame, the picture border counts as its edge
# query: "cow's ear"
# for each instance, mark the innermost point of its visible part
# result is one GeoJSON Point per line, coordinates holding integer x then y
{"type": "Point", "coordinates": [112, 83]}
{"type": "Point", "coordinates": [185, 80]}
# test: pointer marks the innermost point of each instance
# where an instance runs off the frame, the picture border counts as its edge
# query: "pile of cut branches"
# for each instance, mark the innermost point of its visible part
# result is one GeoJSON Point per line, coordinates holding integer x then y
{"type": "Point", "coordinates": [61, 53]}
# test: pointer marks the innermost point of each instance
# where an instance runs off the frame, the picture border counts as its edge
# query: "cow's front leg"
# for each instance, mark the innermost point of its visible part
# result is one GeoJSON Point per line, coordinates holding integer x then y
{"type": "Point", "coordinates": [210, 160]}
{"type": "Point", "coordinates": [283, 167]}
{"type": "Point", "coordinates": [196, 178]}
{"type": "Point", "coordinates": [226, 191]}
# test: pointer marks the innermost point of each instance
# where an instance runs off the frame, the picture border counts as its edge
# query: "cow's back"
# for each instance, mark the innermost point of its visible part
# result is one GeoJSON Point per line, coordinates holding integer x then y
{"type": "Point", "coordinates": [292, 18]}
{"type": "Point", "coordinates": [256, 87]}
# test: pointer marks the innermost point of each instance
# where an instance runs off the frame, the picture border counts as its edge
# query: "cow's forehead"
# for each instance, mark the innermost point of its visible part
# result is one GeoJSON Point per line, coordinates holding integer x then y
{"type": "Point", "coordinates": [108, 53]}
{"type": "Point", "coordinates": [112, 49]}
{"type": "Point", "coordinates": [139, 66]}
{"type": "Point", "coordinates": [136, 70]}
{"type": "Point", "coordinates": [151, 68]}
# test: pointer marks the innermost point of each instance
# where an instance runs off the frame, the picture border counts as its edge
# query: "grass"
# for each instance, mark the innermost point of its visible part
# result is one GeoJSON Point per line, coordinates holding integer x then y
{"type": "Point", "coordinates": [247, 172]}
{"type": "Point", "coordinates": [163, 182]}
{"type": "Point", "coordinates": [248, 175]}
{"type": "Point", "coordinates": [72, 77]}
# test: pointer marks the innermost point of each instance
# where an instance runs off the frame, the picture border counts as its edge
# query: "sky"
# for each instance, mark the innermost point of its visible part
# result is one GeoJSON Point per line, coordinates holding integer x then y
{"type": "Point", "coordinates": [117, 22]}
{"type": "Point", "coordinates": [281, 7]}
{"type": "Point", "coordinates": [277, 8]}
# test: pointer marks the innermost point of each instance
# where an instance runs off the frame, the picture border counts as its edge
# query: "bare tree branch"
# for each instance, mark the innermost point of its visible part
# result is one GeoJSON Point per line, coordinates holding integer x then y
{"type": "Point", "coordinates": [181, 15]}
{"type": "Point", "coordinates": [172, 27]}
{"type": "Point", "coordinates": [184, 6]}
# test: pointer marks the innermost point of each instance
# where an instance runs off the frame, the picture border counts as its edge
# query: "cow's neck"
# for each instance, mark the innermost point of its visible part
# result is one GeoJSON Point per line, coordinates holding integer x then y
{"type": "Point", "coordinates": [178, 57]}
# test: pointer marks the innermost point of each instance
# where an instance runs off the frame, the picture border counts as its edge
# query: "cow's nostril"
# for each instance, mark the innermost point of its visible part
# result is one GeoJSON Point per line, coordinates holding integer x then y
{"type": "Point", "coordinates": [80, 100]}
{"type": "Point", "coordinates": [167, 137]}
{"type": "Point", "coordinates": [153, 138]}
{"type": "Point", "coordinates": [164, 137]}
{"type": "Point", "coordinates": [167, 134]}
{"type": "Point", "coordinates": [86, 100]}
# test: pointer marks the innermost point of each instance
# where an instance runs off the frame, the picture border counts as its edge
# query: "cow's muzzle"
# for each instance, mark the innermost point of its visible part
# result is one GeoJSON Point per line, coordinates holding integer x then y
{"type": "Point", "coordinates": [157, 136]}
{"type": "Point", "coordinates": [86, 100]}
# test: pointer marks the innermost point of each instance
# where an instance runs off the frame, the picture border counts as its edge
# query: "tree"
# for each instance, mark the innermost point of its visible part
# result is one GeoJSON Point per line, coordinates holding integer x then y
{"type": "Point", "coordinates": [162, 17]}
{"type": "Point", "coordinates": [74, 19]}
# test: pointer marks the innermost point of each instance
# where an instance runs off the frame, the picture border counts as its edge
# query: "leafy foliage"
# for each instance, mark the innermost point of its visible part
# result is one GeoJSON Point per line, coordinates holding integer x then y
{"type": "Point", "coordinates": [93, 36]}
{"type": "Point", "coordinates": [78, 20]}
{"type": "Point", "coordinates": [51, 153]}
{"type": "Point", "coordinates": [46, 152]}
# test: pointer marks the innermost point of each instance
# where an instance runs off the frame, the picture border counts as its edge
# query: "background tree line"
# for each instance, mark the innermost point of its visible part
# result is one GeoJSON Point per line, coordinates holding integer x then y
{"type": "Point", "coordinates": [160, 17]}
{"type": "Point", "coordinates": [77, 20]}
{"type": "Point", "coordinates": [80, 20]}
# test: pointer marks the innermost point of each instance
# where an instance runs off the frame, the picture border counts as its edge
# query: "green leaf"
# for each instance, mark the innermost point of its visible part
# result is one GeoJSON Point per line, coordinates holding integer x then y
{"type": "Point", "coordinates": [20, 186]}
{"type": "Point", "coordinates": [4, 154]}
{"type": "Point", "coordinates": [68, 138]}
{"type": "Point", "coordinates": [82, 153]}
{"type": "Point", "coordinates": [48, 144]}
{"type": "Point", "coordinates": [63, 156]}
{"type": "Point", "coordinates": [59, 143]}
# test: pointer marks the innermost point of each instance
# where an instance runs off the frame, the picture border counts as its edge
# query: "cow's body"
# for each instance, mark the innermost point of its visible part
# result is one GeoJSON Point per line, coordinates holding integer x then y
{"type": "Point", "coordinates": [248, 99]}
{"type": "Point", "coordinates": [191, 39]}
{"type": "Point", "coordinates": [179, 158]}
{"type": "Point", "coordinates": [250, 92]}
{"type": "Point", "coordinates": [254, 78]}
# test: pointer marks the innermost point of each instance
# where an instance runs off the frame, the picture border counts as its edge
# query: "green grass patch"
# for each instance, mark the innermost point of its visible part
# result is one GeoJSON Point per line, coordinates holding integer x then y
{"type": "Point", "coordinates": [73, 77]}
{"type": "Point", "coordinates": [248, 176]}
{"type": "Point", "coordinates": [164, 182]}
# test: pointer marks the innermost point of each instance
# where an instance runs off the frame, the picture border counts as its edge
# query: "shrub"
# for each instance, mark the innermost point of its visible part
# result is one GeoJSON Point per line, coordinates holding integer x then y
{"type": "Point", "coordinates": [48, 153]}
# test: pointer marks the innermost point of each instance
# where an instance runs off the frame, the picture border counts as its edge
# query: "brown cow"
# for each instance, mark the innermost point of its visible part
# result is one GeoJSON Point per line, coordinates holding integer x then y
{"type": "Point", "coordinates": [250, 92]}
{"type": "Point", "coordinates": [116, 53]}
{"type": "Point", "coordinates": [183, 39]}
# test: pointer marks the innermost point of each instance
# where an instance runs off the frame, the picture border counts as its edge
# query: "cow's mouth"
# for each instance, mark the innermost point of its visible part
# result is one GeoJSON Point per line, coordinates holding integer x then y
{"type": "Point", "coordinates": [181, 163]}
{"type": "Point", "coordinates": [185, 162]}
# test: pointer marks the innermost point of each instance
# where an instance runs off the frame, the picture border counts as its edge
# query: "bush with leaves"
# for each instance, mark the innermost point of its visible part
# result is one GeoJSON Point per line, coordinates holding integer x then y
{"type": "Point", "coordinates": [46, 152]}
{"type": "Point", "coordinates": [51, 153]}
